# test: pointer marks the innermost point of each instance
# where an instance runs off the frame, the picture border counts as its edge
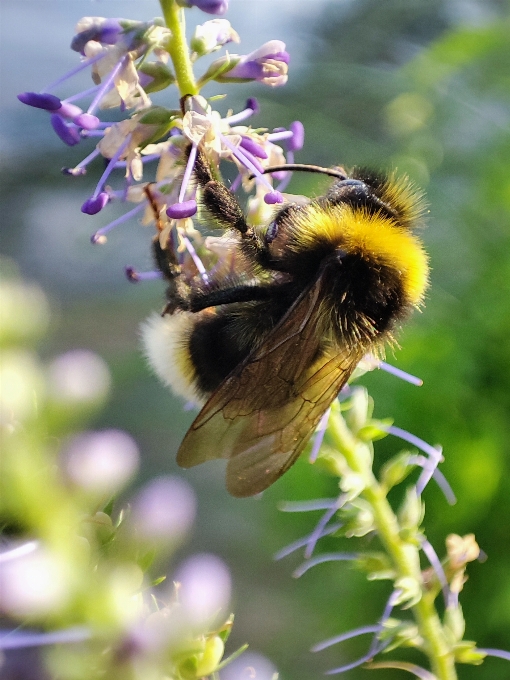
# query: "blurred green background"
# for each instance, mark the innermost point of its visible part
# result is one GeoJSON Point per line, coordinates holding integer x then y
{"type": "Point", "coordinates": [420, 85]}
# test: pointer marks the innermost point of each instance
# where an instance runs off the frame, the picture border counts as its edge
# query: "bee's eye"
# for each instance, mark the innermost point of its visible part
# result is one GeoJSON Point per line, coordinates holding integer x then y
{"type": "Point", "coordinates": [271, 233]}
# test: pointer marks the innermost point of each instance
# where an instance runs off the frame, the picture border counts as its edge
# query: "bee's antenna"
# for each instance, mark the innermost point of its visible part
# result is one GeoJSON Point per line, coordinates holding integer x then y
{"type": "Point", "coordinates": [302, 167]}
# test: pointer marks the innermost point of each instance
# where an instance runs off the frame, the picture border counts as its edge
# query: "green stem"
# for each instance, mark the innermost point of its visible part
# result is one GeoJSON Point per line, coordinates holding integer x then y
{"type": "Point", "coordinates": [405, 556]}
{"type": "Point", "coordinates": [178, 47]}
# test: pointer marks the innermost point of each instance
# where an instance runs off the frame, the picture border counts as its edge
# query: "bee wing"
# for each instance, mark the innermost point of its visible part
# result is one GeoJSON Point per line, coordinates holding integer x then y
{"type": "Point", "coordinates": [264, 412]}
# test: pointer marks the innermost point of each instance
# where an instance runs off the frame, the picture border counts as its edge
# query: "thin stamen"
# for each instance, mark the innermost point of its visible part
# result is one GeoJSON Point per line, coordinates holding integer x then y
{"type": "Point", "coordinates": [239, 117]}
{"type": "Point", "coordinates": [84, 64]}
{"type": "Point", "coordinates": [435, 563]}
{"type": "Point", "coordinates": [501, 653]}
{"type": "Point", "coordinates": [278, 136]}
{"type": "Point", "coordinates": [326, 557]}
{"type": "Point", "coordinates": [301, 542]}
{"type": "Point", "coordinates": [187, 173]}
{"type": "Point", "coordinates": [400, 374]}
{"type": "Point", "coordinates": [99, 236]}
{"type": "Point", "coordinates": [308, 506]}
{"type": "Point", "coordinates": [363, 630]}
{"type": "Point", "coordinates": [198, 262]}
{"type": "Point", "coordinates": [107, 84]}
{"type": "Point", "coordinates": [438, 477]}
{"type": "Point", "coordinates": [80, 95]}
{"type": "Point", "coordinates": [414, 440]}
{"type": "Point", "coordinates": [144, 159]}
{"type": "Point", "coordinates": [317, 532]}
{"type": "Point", "coordinates": [110, 167]}
{"type": "Point", "coordinates": [319, 436]}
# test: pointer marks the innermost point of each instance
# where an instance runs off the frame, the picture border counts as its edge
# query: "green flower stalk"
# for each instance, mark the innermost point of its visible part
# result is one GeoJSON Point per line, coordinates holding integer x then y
{"type": "Point", "coordinates": [363, 509]}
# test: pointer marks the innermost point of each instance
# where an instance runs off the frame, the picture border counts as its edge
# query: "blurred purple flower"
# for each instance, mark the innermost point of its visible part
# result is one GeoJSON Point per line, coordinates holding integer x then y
{"type": "Point", "coordinates": [204, 588]}
{"type": "Point", "coordinates": [100, 462]}
{"type": "Point", "coordinates": [164, 509]}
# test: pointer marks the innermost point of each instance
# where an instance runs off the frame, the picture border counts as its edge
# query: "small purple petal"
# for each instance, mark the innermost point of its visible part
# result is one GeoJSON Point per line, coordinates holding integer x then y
{"type": "Point", "coordinates": [279, 56]}
{"type": "Point", "coordinates": [41, 101]}
{"type": "Point", "coordinates": [273, 197]}
{"type": "Point", "coordinates": [295, 143]}
{"type": "Point", "coordinates": [255, 149]}
{"type": "Point", "coordinates": [210, 6]}
{"type": "Point", "coordinates": [87, 121]}
{"type": "Point", "coordinates": [68, 133]}
{"type": "Point", "coordinates": [252, 103]}
{"type": "Point", "coordinates": [95, 204]}
{"type": "Point", "coordinates": [179, 211]}
{"type": "Point", "coordinates": [69, 110]}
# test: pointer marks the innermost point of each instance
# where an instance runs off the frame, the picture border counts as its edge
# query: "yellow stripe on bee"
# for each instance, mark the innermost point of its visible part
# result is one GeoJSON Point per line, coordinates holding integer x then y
{"type": "Point", "coordinates": [373, 236]}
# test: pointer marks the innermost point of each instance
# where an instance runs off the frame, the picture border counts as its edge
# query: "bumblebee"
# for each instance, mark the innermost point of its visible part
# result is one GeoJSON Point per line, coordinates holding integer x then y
{"type": "Point", "coordinates": [267, 344]}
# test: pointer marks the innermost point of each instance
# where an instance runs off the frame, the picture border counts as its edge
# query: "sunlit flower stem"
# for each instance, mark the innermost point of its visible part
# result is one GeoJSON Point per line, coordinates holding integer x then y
{"type": "Point", "coordinates": [404, 555]}
{"type": "Point", "coordinates": [178, 48]}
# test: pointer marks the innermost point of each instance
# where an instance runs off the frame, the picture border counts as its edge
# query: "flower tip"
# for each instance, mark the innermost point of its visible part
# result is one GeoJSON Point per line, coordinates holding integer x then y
{"type": "Point", "coordinates": [95, 204]}
{"type": "Point", "coordinates": [98, 239]}
{"type": "Point", "coordinates": [74, 172]}
{"type": "Point", "coordinates": [273, 197]}
{"type": "Point", "coordinates": [252, 103]}
{"type": "Point", "coordinates": [179, 211]}
{"type": "Point", "coordinates": [131, 274]}
{"type": "Point", "coordinates": [44, 101]}
{"type": "Point", "coordinates": [295, 143]}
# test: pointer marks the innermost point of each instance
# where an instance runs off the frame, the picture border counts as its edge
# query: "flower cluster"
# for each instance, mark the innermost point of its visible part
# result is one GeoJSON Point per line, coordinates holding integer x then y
{"type": "Point", "coordinates": [129, 61]}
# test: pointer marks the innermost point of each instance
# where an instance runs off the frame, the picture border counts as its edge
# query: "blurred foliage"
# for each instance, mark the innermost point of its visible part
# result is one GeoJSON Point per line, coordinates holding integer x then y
{"type": "Point", "coordinates": [74, 569]}
{"type": "Point", "coordinates": [420, 85]}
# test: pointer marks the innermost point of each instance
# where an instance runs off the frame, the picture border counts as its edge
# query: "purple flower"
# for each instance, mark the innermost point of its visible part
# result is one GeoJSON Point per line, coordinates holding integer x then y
{"type": "Point", "coordinates": [268, 65]}
{"type": "Point", "coordinates": [104, 31]}
{"type": "Point", "coordinates": [209, 6]}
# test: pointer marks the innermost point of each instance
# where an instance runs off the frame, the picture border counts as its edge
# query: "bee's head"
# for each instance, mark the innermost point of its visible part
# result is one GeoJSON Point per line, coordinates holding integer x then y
{"type": "Point", "coordinates": [359, 194]}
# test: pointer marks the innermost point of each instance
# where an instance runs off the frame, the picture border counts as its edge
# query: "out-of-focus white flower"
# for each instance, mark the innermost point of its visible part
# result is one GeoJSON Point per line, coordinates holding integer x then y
{"type": "Point", "coordinates": [163, 510]}
{"type": "Point", "coordinates": [78, 377]}
{"type": "Point", "coordinates": [204, 588]}
{"type": "Point", "coordinates": [100, 463]}
{"type": "Point", "coordinates": [33, 585]}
